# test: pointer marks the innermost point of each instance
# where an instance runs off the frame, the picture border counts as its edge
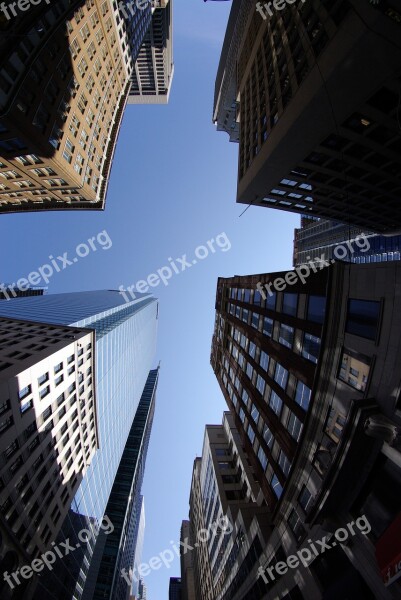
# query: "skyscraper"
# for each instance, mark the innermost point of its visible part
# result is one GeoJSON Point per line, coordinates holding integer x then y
{"type": "Point", "coordinates": [308, 369]}
{"type": "Point", "coordinates": [65, 79]}
{"type": "Point", "coordinates": [112, 576]}
{"type": "Point", "coordinates": [47, 438]}
{"type": "Point", "coordinates": [310, 91]}
{"type": "Point", "coordinates": [153, 71]}
{"type": "Point", "coordinates": [318, 237]}
{"type": "Point", "coordinates": [125, 345]}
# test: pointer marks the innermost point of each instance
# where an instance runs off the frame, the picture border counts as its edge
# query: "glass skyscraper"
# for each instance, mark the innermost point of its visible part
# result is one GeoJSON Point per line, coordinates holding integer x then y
{"type": "Point", "coordinates": [124, 351]}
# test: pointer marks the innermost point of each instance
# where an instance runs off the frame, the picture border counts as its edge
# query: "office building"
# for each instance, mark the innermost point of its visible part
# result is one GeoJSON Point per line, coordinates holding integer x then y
{"type": "Point", "coordinates": [65, 77]}
{"type": "Point", "coordinates": [139, 536]}
{"type": "Point", "coordinates": [125, 346]}
{"type": "Point", "coordinates": [174, 591]}
{"type": "Point", "coordinates": [311, 94]}
{"type": "Point", "coordinates": [8, 291]}
{"type": "Point", "coordinates": [141, 590]}
{"type": "Point", "coordinates": [153, 70]}
{"type": "Point", "coordinates": [187, 565]}
{"type": "Point", "coordinates": [231, 511]}
{"type": "Point", "coordinates": [309, 373]}
{"type": "Point", "coordinates": [48, 437]}
{"type": "Point", "coordinates": [318, 237]}
{"type": "Point", "coordinates": [118, 548]}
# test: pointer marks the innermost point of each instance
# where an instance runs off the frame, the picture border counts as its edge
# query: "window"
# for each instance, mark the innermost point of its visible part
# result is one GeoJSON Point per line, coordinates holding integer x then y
{"type": "Point", "coordinates": [284, 463]}
{"type": "Point", "coordinates": [304, 498]}
{"type": "Point", "coordinates": [262, 458]}
{"type": "Point", "coordinates": [255, 413]}
{"type": "Point", "coordinates": [316, 309]}
{"type": "Point", "coordinates": [363, 318]}
{"type": "Point", "coordinates": [281, 376]}
{"type": "Point", "coordinates": [260, 384]}
{"type": "Point", "coordinates": [58, 368]}
{"type": "Point", "coordinates": [311, 347]}
{"type": "Point", "coordinates": [296, 526]}
{"type": "Point", "coordinates": [276, 485]}
{"type": "Point", "coordinates": [302, 395]}
{"type": "Point", "coordinates": [44, 392]}
{"type": "Point", "coordinates": [24, 392]}
{"type": "Point", "coordinates": [68, 151]}
{"type": "Point", "coordinates": [43, 378]}
{"type": "Point", "coordinates": [252, 349]}
{"type": "Point", "coordinates": [271, 300]}
{"type": "Point", "coordinates": [255, 320]}
{"type": "Point", "coordinates": [294, 426]}
{"type": "Point", "coordinates": [286, 335]}
{"type": "Point", "coordinates": [241, 415]}
{"type": "Point", "coordinates": [249, 370]}
{"type": "Point", "coordinates": [268, 436]}
{"type": "Point", "coordinates": [290, 304]}
{"type": "Point", "coordinates": [268, 326]}
{"type": "Point", "coordinates": [354, 369]}
{"type": "Point", "coordinates": [251, 434]}
{"type": "Point", "coordinates": [4, 425]}
{"type": "Point", "coordinates": [264, 360]}
{"type": "Point", "coordinates": [275, 403]}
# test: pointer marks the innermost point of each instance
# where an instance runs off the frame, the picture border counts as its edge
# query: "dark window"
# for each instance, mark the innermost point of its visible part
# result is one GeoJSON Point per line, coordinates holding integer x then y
{"type": "Point", "coordinates": [363, 318]}
{"type": "Point", "coordinates": [316, 309]}
{"type": "Point", "coordinates": [290, 304]}
{"type": "Point", "coordinates": [271, 300]}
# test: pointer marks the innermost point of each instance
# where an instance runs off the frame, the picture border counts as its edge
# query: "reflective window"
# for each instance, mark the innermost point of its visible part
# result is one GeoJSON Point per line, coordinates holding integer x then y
{"type": "Point", "coordinates": [276, 485]}
{"type": "Point", "coordinates": [264, 360]}
{"type": "Point", "coordinates": [268, 326]}
{"type": "Point", "coordinates": [286, 335]}
{"type": "Point", "coordinates": [290, 304]}
{"type": "Point", "coordinates": [311, 347]}
{"type": "Point", "coordinates": [294, 426]}
{"type": "Point", "coordinates": [281, 376]}
{"type": "Point", "coordinates": [275, 403]}
{"type": "Point", "coordinates": [363, 318]}
{"type": "Point", "coordinates": [302, 395]}
{"type": "Point", "coordinates": [354, 369]}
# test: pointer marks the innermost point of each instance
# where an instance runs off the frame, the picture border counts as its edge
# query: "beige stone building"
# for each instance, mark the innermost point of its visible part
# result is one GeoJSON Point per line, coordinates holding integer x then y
{"type": "Point", "coordinates": [48, 437]}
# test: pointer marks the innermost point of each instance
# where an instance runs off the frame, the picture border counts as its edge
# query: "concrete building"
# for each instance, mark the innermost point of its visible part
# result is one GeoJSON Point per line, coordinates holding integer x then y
{"type": "Point", "coordinates": [310, 92]}
{"type": "Point", "coordinates": [8, 291]}
{"type": "Point", "coordinates": [311, 379]}
{"type": "Point", "coordinates": [318, 237]}
{"type": "Point", "coordinates": [65, 77]}
{"type": "Point", "coordinates": [48, 438]}
{"type": "Point", "coordinates": [125, 346]}
{"type": "Point", "coordinates": [234, 514]}
{"type": "Point", "coordinates": [153, 71]}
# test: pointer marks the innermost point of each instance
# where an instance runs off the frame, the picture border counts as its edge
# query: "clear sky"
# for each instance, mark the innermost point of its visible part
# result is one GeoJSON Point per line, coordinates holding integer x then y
{"type": "Point", "coordinates": [172, 189]}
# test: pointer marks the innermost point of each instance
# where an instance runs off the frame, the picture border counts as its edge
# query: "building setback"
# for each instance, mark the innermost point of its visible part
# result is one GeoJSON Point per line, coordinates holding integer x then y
{"type": "Point", "coordinates": [125, 346]}
{"type": "Point", "coordinates": [65, 79]}
{"type": "Point", "coordinates": [115, 567]}
{"type": "Point", "coordinates": [311, 95]}
{"type": "Point", "coordinates": [48, 437]}
{"type": "Point", "coordinates": [309, 373]}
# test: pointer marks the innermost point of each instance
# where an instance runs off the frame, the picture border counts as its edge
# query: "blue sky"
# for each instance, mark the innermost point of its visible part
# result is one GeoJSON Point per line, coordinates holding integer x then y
{"type": "Point", "coordinates": [172, 188]}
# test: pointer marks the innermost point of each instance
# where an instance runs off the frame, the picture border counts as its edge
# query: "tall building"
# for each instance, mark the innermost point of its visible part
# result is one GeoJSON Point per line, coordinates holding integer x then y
{"type": "Point", "coordinates": [187, 565]}
{"type": "Point", "coordinates": [309, 372]}
{"type": "Point", "coordinates": [48, 437]}
{"type": "Point", "coordinates": [139, 537]}
{"type": "Point", "coordinates": [141, 590]}
{"type": "Point", "coordinates": [125, 345]}
{"type": "Point", "coordinates": [153, 70]}
{"type": "Point", "coordinates": [117, 549]}
{"type": "Point", "coordinates": [174, 590]}
{"type": "Point", "coordinates": [310, 91]}
{"type": "Point", "coordinates": [8, 291]}
{"type": "Point", "coordinates": [65, 77]}
{"type": "Point", "coordinates": [318, 237]}
{"type": "Point", "coordinates": [228, 487]}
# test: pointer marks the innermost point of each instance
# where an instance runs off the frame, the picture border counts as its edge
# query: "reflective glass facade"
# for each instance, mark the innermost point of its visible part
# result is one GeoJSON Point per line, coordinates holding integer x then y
{"type": "Point", "coordinates": [125, 347]}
